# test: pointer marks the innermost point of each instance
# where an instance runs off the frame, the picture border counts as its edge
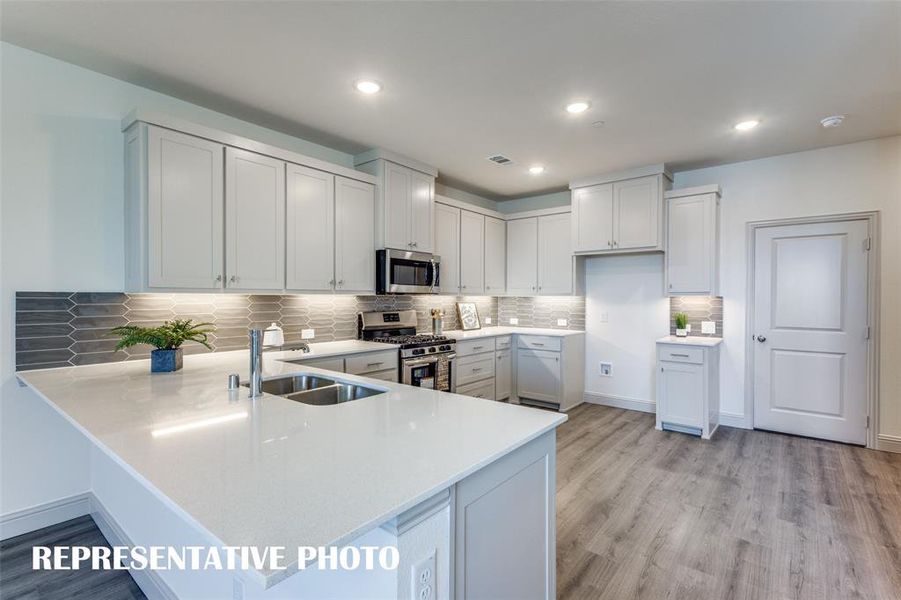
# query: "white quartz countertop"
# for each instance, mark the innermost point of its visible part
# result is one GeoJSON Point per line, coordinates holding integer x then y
{"type": "Point", "coordinates": [274, 472]}
{"type": "Point", "coordinates": [691, 340]}
{"type": "Point", "coordinates": [504, 330]}
{"type": "Point", "coordinates": [327, 349]}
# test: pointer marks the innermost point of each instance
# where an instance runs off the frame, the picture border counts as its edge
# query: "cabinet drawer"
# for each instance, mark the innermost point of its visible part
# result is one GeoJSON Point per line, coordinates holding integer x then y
{"type": "Point", "coordinates": [686, 354]}
{"type": "Point", "coordinates": [539, 342]}
{"type": "Point", "coordinates": [371, 362]}
{"type": "Point", "coordinates": [331, 363]}
{"type": "Point", "coordinates": [474, 368]}
{"type": "Point", "coordinates": [479, 389]}
{"type": "Point", "coordinates": [502, 343]}
{"type": "Point", "coordinates": [469, 347]}
{"type": "Point", "coordinates": [389, 375]}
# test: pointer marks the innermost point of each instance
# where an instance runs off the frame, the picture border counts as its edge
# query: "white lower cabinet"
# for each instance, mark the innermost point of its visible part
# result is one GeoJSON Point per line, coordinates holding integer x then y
{"type": "Point", "coordinates": [549, 370]}
{"type": "Point", "coordinates": [475, 368]}
{"type": "Point", "coordinates": [377, 365]}
{"type": "Point", "coordinates": [538, 375]}
{"type": "Point", "coordinates": [688, 388]}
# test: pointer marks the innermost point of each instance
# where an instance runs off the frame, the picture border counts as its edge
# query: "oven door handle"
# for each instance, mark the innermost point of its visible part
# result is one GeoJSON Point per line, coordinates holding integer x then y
{"type": "Point", "coordinates": [422, 361]}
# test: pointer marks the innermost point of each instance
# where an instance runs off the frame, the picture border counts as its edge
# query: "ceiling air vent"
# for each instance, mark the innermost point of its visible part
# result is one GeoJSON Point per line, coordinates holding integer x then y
{"type": "Point", "coordinates": [500, 159]}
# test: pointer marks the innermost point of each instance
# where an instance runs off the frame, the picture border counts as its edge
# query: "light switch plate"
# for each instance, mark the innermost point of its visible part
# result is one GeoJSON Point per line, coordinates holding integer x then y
{"type": "Point", "coordinates": [487, 320]}
{"type": "Point", "coordinates": [561, 322]}
{"type": "Point", "coordinates": [307, 334]}
{"type": "Point", "coordinates": [514, 321]}
{"type": "Point", "coordinates": [708, 326]}
{"type": "Point", "coordinates": [604, 317]}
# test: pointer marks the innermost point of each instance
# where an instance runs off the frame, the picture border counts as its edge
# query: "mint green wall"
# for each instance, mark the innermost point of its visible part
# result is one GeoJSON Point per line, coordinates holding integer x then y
{"type": "Point", "coordinates": [464, 196]}
{"type": "Point", "coordinates": [552, 200]}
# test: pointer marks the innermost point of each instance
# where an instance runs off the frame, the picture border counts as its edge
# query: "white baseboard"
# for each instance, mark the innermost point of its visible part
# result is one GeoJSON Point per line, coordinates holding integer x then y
{"type": "Point", "coordinates": [888, 443]}
{"type": "Point", "coordinates": [150, 582]}
{"type": "Point", "coordinates": [648, 406]}
{"type": "Point", "coordinates": [44, 515]}
{"type": "Point", "coordinates": [735, 420]}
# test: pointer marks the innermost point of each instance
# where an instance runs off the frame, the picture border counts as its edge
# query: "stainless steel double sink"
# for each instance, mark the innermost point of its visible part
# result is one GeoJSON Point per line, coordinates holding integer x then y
{"type": "Point", "coordinates": [316, 390]}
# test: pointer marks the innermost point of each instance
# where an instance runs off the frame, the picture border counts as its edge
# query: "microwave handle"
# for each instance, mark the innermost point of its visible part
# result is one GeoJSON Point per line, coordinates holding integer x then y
{"type": "Point", "coordinates": [435, 281]}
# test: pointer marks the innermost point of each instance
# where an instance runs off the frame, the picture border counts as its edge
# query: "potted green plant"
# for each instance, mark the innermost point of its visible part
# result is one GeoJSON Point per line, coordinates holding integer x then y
{"type": "Point", "coordinates": [167, 339]}
{"type": "Point", "coordinates": [681, 324]}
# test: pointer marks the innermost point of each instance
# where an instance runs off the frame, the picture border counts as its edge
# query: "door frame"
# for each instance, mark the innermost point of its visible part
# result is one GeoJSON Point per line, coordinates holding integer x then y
{"type": "Point", "coordinates": [873, 309]}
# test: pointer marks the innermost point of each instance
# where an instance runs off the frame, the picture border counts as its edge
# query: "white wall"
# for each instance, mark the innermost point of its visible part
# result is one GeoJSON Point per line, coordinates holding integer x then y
{"type": "Point", "coordinates": [855, 177]}
{"type": "Point", "coordinates": [61, 229]}
{"type": "Point", "coordinates": [628, 290]}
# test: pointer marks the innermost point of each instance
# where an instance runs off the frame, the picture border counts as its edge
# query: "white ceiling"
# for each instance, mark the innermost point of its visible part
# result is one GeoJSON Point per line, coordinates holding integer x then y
{"type": "Point", "coordinates": [463, 81]}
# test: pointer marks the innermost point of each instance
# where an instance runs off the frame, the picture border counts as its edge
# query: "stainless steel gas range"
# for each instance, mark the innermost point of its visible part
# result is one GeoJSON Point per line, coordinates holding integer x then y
{"type": "Point", "coordinates": [425, 360]}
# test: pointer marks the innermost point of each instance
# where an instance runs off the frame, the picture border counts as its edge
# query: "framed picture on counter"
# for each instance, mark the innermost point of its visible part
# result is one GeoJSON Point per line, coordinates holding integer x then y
{"type": "Point", "coordinates": [468, 314]}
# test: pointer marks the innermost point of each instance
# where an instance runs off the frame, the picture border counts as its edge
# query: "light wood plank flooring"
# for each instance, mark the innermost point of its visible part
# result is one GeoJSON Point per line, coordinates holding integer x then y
{"type": "Point", "coordinates": [649, 514]}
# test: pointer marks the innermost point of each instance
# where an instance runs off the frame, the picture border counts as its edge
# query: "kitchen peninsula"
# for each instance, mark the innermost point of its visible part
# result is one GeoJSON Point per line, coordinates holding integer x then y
{"type": "Point", "coordinates": [178, 459]}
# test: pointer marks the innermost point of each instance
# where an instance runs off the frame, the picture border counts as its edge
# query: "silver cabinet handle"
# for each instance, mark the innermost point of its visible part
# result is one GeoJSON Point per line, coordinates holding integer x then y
{"type": "Point", "coordinates": [218, 278]}
{"type": "Point", "coordinates": [476, 369]}
{"type": "Point", "coordinates": [609, 244]}
{"type": "Point", "coordinates": [331, 282]}
{"type": "Point", "coordinates": [537, 344]}
{"type": "Point", "coordinates": [415, 245]}
{"type": "Point", "coordinates": [375, 364]}
{"type": "Point", "coordinates": [679, 355]}
{"type": "Point", "coordinates": [477, 347]}
{"type": "Point", "coordinates": [340, 282]}
{"type": "Point", "coordinates": [462, 287]}
{"type": "Point", "coordinates": [233, 279]}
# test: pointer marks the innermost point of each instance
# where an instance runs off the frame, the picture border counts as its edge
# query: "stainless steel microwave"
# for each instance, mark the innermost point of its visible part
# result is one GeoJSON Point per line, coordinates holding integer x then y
{"type": "Point", "coordinates": [405, 272]}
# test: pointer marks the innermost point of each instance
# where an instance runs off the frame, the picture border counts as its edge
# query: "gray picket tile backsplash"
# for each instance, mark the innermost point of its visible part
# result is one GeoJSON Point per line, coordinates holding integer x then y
{"type": "Point", "coordinates": [698, 308]}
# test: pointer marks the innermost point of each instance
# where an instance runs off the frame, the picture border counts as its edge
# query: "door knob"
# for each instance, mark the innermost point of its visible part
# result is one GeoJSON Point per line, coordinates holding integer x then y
{"type": "Point", "coordinates": [761, 338]}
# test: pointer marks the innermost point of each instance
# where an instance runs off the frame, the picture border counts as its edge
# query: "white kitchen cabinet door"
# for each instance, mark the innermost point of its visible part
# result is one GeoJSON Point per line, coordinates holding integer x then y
{"type": "Point", "coordinates": [310, 229]}
{"type": "Point", "coordinates": [447, 247]}
{"type": "Point", "coordinates": [636, 208]}
{"type": "Point", "coordinates": [592, 218]}
{"type": "Point", "coordinates": [397, 198]}
{"type": "Point", "coordinates": [681, 394]}
{"type": "Point", "coordinates": [555, 258]}
{"type": "Point", "coordinates": [495, 256]}
{"type": "Point", "coordinates": [185, 211]}
{"type": "Point", "coordinates": [522, 256]}
{"type": "Point", "coordinates": [538, 375]}
{"type": "Point", "coordinates": [503, 374]}
{"type": "Point", "coordinates": [354, 236]}
{"type": "Point", "coordinates": [692, 246]}
{"type": "Point", "coordinates": [472, 253]}
{"type": "Point", "coordinates": [254, 221]}
{"type": "Point", "coordinates": [422, 211]}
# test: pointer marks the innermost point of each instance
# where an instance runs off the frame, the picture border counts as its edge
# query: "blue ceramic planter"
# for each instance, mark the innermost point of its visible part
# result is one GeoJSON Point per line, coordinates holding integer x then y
{"type": "Point", "coordinates": [165, 361]}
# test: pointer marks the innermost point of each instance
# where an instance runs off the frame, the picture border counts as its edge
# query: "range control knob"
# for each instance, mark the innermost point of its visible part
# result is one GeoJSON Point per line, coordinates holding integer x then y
{"type": "Point", "coordinates": [432, 349]}
{"type": "Point", "coordinates": [419, 351]}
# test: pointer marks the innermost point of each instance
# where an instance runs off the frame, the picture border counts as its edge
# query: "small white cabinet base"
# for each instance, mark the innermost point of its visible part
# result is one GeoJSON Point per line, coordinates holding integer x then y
{"type": "Point", "coordinates": [688, 388]}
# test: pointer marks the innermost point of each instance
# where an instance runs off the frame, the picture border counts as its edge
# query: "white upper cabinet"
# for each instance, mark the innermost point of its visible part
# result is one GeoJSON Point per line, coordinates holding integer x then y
{"type": "Point", "coordinates": [495, 256]}
{"type": "Point", "coordinates": [310, 229]}
{"type": "Point", "coordinates": [472, 253]}
{"type": "Point", "coordinates": [405, 201]}
{"type": "Point", "coordinates": [620, 213]}
{"type": "Point", "coordinates": [522, 256]}
{"type": "Point", "coordinates": [254, 221]}
{"type": "Point", "coordinates": [447, 247]}
{"type": "Point", "coordinates": [354, 236]}
{"type": "Point", "coordinates": [637, 213]}
{"type": "Point", "coordinates": [592, 218]}
{"type": "Point", "coordinates": [555, 257]}
{"type": "Point", "coordinates": [184, 211]}
{"type": "Point", "coordinates": [692, 241]}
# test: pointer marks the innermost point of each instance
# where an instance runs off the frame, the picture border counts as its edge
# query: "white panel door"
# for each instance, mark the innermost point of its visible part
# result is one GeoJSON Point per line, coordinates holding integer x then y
{"type": "Point", "coordinates": [495, 256]}
{"type": "Point", "coordinates": [354, 236]}
{"type": "Point", "coordinates": [681, 394]}
{"type": "Point", "coordinates": [254, 221]}
{"type": "Point", "coordinates": [422, 211]}
{"type": "Point", "coordinates": [185, 211]}
{"type": "Point", "coordinates": [592, 222]}
{"type": "Point", "coordinates": [538, 375]}
{"type": "Point", "coordinates": [810, 327]}
{"type": "Point", "coordinates": [636, 204]}
{"type": "Point", "coordinates": [447, 247]}
{"type": "Point", "coordinates": [503, 374]}
{"type": "Point", "coordinates": [691, 245]}
{"type": "Point", "coordinates": [555, 258]}
{"type": "Point", "coordinates": [397, 197]}
{"type": "Point", "coordinates": [522, 256]}
{"type": "Point", "coordinates": [472, 253]}
{"type": "Point", "coordinates": [310, 229]}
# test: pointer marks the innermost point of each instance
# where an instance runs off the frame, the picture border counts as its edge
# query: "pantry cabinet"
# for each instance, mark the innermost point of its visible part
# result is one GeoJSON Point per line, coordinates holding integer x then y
{"type": "Point", "coordinates": [495, 256]}
{"type": "Point", "coordinates": [447, 247]}
{"type": "Point", "coordinates": [619, 214]}
{"type": "Point", "coordinates": [539, 255]}
{"type": "Point", "coordinates": [692, 241]}
{"type": "Point", "coordinates": [472, 253]}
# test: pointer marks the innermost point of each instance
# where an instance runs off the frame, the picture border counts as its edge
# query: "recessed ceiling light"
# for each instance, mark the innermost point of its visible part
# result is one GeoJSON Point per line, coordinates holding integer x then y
{"type": "Point", "coordinates": [747, 125]}
{"type": "Point", "coordinates": [577, 107]}
{"type": "Point", "coordinates": [833, 121]}
{"type": "Point", "coordinates": [536, 170]}
{"type": "Point", "coordinates": [368, 86]}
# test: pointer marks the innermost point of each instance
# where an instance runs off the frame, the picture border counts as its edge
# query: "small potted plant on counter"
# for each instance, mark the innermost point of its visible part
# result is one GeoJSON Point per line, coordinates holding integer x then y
{"type": "Point", "coordinates": [167, 339]}
{"type": "Point", "coordinates": [681, 324]}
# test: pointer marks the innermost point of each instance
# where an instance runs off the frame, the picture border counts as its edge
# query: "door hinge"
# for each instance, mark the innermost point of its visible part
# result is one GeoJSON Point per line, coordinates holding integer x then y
{"type": "Point", "coordinates": [868, 333]}
{"type": "Point", "coordinates": [866, 244]}
{"type": "Point", "coordinates": [868, 421]}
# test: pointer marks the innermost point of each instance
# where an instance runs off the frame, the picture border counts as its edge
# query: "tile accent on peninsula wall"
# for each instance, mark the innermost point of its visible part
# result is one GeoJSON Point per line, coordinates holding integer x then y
{"type": "Point", "coordinates": [60, 329]}
{"type": "Point", "coordinates": [698, 308]}
{"type": "Point", "coordinates": [543, 311]}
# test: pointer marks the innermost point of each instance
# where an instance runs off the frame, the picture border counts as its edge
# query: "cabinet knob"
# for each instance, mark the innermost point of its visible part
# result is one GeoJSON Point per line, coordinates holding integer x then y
{"type": "Point", "coordinates": [609, 244]}
{"type": "Point", "coordinates": [233, 279]}
{"type": "Point", "coordinates": [414, 244]}
{"type": "Point", "coordinates": [331, 282]}
{"type": "Point", "coordinates": [218, 278]}
{"type": "Point", "coordinates": [340, 282]}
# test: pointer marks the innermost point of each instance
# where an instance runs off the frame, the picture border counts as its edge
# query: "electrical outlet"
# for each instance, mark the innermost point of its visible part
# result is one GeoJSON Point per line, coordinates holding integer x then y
{"type": "Point", "coordinates": [606, 369]}
{"type": "Point", "coordinates": [708, 326]}
{"type": "Point", "coordinates": [514, 321]}
{"type": "Point", "coordinates": [487, 320]}
{"type": "Point", "coordinates": [307, 334]}
{"type": "Point", "coordinates": [604, 317]}
{"type": "Point", "coordinates": [561, 322]}
{"type": "Point", "coordinates": [423, 582]}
